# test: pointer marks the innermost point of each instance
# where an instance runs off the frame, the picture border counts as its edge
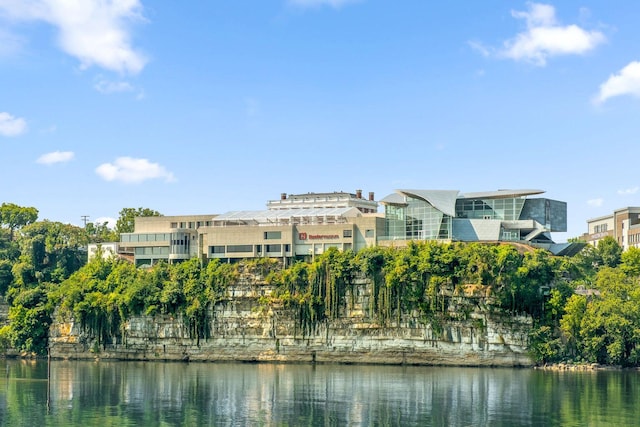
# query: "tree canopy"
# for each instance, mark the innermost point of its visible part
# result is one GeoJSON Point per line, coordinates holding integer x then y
{"type": "Point", "coordinates": [15, 217]}
{"type": "Point", "coordinates": [126, 221]}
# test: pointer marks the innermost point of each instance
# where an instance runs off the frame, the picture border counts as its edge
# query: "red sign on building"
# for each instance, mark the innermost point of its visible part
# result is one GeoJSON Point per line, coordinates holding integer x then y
{"type": "Point", "coordinates": [302, 236]}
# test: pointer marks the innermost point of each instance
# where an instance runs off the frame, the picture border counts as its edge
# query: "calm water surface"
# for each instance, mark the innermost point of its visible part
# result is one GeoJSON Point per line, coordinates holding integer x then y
{"type": "Point", "coordinates": [198, 394]}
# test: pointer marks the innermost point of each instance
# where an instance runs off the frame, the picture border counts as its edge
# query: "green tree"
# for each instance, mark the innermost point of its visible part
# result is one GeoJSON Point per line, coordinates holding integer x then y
{"type": "Point", "coordinates": [50, 252]}
{"type": "Point", "coordinates": [571, 322]}
{"type": "Point", "coordinates": [630, 262]}
{"type": "Point", "coordinates": [16, 217]}
{"type": "Point", "coordinates": [100, 233]}
{"type": "Point", "coordinates": [608, 252]}
{"type": "Point", "coordinates": [126, 221]}
{"type": "Point", "coordinates": [30, 317]}
{"type": "Point", "coordinates": [610, 327]}
{"type": "Point", "coordinates": [6, 276]}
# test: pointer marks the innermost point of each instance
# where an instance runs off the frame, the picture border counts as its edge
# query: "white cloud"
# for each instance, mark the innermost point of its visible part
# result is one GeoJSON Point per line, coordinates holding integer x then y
{"type": "Point", "coordinates": [336, 4]}
{"type": "Point", "coordinates": [595, 202]}
{"type": "Point", "coordinates": [107, 87]}
{"type": "Point", "coordinates": [96, 32]}
{"type": "Point", "coordinates": [544, 37]}
{"type": "Point", "coordinates": [11, 126]}
{"type": "Point", "coordinates": [130, 170]}
{"type": "Point", "coordinates": [480, 48]}
{"type": "Point", "coordinates": [111, 222]}
{"type": "Point", "coordinates": [627, 191]}
{"type": "Point", "coordinates": [55, 157]}
{"type": "Point", "coordinates": [626, 82]}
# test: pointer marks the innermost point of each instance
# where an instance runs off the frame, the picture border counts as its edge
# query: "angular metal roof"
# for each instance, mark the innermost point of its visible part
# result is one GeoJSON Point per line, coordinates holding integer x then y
{"type": "Point", "coordinates": [443, 200]}
{"type": "Point", "coordinates": [394, 199]}
{"type": "Point", "coordinates": [500, 194]}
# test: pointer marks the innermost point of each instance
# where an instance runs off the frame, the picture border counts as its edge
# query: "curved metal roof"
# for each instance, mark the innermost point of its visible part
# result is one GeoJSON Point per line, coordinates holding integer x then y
{"type": "Point", "coordinates": [443, 200]}
{"type": "Point", "coordinates": [394, 199]}
{"type": "Point", "coordinates": [500, 194]}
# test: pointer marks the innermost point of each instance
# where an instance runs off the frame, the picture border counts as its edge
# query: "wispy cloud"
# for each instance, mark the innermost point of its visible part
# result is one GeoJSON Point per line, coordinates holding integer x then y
{"type": "Point", "coordinates": [543, 38]}
{"type": "Point", "coordinates": [626, 82]}
{"type": "Point", "coordinates": [55, 157]}
{"type": "Point", "coordinates": [336, 4]}
{"type": "Point", "coordinates": [11, 126]}
{"type": "Point", "coordinates": [595, 202]}
{"type": "Point", "coordinates": [628, 191]}
{"type": "Point", "coordinates": [130, 170]}
{"type": "Point", "coordinates": [96, 32]}
{"type": "Point", "coordinates": [108, 87]}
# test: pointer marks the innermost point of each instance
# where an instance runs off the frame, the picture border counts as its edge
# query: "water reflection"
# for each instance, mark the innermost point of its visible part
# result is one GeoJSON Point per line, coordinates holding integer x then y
{"type": "Point", "coordinates": [144, 393]}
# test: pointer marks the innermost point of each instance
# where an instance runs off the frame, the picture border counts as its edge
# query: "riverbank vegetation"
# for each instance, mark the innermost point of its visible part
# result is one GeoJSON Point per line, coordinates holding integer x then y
{"type": "Point", "coordinates": [584, 308]}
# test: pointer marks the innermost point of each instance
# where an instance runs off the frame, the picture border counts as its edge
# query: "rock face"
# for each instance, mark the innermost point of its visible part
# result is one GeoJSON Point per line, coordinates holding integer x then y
{"type": "Point", "coordinates": [244, 329]}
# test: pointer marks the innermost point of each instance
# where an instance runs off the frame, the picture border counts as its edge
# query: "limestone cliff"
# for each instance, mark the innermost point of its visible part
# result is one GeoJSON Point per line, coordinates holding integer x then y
{"type": "Point", "coordinates": [245, 328]}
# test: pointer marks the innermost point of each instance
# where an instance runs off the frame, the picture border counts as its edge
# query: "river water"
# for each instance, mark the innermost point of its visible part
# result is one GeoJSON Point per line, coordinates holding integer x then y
{"type": "Point", "coordinates": [74, 393]}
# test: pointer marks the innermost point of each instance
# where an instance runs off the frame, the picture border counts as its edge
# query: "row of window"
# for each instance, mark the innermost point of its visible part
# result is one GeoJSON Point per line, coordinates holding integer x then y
{"type": "Point", "coordinates": [145, 237]}
{"type": "Point", "coordinates": [191, 224]}
{"type": "Point", "coordinates": [221, 249]}
{"type": "Point", "coordinates": [601, 228]}
{"type": "Point", "coordinates": [155, 250]}
{"type": "Point", "coordinates": [634, 238]}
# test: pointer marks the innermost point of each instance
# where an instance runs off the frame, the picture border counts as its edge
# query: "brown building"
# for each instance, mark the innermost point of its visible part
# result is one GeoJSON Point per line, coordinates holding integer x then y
{"type": "Point", "coordinates": [623, 225]}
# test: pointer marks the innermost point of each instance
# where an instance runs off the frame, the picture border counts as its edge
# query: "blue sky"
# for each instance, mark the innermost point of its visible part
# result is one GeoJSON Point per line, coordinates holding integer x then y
{"type": "Point", "coordinates": [207, 107]}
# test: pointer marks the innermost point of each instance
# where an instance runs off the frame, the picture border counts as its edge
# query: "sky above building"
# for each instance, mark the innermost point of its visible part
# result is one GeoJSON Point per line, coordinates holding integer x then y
{"type": "Point", "coordinates": [207, 107]}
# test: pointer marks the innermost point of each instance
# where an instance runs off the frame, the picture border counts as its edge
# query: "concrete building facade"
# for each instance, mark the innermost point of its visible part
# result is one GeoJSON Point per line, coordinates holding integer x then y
{"type": "Point", "coordinates": [302, 226]}
{"type": "Point", "coordinates": [623, 225]}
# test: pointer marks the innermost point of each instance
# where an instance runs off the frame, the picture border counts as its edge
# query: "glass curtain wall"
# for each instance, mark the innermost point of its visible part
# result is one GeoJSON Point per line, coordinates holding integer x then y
{"type": "Point", "coordinates": [417, 220]}
{"type": "Point", "coordinates": [508, 209]}
{"type": "Point", "coordinates": [395, 221]}
{"type": "Point", "coordinates": [424, 222]}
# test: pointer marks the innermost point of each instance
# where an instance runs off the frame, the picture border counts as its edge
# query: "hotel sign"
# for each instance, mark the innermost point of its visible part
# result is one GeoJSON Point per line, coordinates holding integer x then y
{"type": "Point", "coordinates": [305, 236]}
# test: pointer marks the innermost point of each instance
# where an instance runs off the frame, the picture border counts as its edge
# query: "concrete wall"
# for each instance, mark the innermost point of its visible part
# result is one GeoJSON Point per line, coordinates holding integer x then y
{"type": "Point", "coordinates": [244, 330]}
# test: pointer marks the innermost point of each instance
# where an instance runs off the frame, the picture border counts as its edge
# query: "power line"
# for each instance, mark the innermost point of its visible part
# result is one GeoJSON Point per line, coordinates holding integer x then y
{"type": "Point", "coordinates": [85, 219]}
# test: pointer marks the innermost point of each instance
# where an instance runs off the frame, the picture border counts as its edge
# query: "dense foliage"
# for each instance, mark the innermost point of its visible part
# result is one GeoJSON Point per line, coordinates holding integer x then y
{"type": "Point", "coordinates": [585, 308]}
{"type": "Point", "coordinates": [36, 257]}
{"type": "Point", "coordinates": [422, 278]}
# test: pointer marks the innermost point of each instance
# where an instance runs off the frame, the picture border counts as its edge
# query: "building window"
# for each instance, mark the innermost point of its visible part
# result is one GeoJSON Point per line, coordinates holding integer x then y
{"type": "Point", "coordinates": [239, 248]}
{"type": "Point", "coordinates": [272, 235]}
{"type": "Point", "coordinates": [217, 249]}
{"type": "Point", "coordinates": [287, 248]}
{"type": "Point", "coordinates": [259, 249]}
{"type": "Point", "coordinates": [174, 225]}
{"type": "Point", "coordinates": [273, 248]}
{"type": "Point", "coordinates": [347, 233]}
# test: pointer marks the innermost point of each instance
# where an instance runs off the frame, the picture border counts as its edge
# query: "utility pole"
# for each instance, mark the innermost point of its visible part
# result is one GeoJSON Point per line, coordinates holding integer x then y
{"type": "Point", "coordinates": [85, 219]}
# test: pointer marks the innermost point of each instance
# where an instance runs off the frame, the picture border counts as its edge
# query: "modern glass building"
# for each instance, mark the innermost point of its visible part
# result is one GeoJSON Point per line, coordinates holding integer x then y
{"type": "Point", "coordinates": [503, 215]}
